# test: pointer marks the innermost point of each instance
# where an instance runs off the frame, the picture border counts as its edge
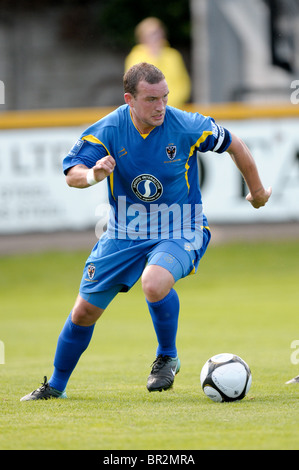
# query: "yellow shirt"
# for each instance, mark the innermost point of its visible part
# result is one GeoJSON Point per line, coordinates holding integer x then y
{"type": "Point", "coordinates": [171, 63]}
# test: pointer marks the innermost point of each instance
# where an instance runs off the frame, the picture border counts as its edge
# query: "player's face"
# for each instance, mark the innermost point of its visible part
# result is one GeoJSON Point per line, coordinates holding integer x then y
{"type": "Point", "coordinates": [149, 105]}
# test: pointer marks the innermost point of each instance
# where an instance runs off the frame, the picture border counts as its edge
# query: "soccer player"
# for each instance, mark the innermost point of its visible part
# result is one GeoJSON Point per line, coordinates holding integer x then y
{"type": "Point", "coordinates": [156, 230]}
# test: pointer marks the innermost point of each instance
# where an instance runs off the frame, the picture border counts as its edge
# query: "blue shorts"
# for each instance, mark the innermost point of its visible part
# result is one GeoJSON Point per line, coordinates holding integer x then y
{"type": "Point", "coordinates": [116, 265]}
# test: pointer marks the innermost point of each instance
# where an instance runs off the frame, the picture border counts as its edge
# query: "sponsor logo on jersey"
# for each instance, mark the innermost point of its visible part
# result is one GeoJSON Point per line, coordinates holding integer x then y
{"type": "Point", "coordinates": [147, 187]}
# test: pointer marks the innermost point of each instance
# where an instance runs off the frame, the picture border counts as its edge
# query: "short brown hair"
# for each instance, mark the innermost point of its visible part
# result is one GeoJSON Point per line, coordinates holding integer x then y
{"type": "Point", "coordinates": [141, 72]}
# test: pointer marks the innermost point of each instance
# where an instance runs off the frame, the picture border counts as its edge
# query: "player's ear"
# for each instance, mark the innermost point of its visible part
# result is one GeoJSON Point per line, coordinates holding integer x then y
{"type": "Point", "coordinates": [128, 99]}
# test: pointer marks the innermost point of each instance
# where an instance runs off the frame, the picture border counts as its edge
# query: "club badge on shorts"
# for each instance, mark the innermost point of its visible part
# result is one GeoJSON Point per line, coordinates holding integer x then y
{"type": "Point", "coordinates": [91, 270]}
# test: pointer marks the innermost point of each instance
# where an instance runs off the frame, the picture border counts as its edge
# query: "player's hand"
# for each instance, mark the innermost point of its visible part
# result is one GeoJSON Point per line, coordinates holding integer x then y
{"type": "Point", "coordinates": [103, 168]}
{"type": "Point", "coordinates": [260, 197]}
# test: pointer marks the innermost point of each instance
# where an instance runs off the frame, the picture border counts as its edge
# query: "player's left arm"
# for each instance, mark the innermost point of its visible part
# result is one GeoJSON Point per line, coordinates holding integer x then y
{"type": "Point", "coordinates": [241, 155]}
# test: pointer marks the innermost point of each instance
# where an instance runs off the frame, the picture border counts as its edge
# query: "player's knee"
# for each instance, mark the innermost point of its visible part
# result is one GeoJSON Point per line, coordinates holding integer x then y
{"type": "Point", "coordinates": [150, 289]}
{"type": "Point", "coordinates": [84, 313]}
{"type": "Point", "coordinates": [156, 283]}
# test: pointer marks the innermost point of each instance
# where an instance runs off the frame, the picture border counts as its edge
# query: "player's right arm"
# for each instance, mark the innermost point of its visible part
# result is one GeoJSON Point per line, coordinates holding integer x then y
{"type": "Point", "coordinates": [79, 176]}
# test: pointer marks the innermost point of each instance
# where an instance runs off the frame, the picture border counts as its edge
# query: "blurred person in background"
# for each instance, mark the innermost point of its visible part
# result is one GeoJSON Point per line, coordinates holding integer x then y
{"type": "Point", "coordinates": [152, 47]}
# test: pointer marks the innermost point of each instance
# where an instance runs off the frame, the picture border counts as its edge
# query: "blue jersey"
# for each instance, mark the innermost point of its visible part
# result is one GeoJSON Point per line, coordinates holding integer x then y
{"type": "Point", "coordinates": [154, 189]}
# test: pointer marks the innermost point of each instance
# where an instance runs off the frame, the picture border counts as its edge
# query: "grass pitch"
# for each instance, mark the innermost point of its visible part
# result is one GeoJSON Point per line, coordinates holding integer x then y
{"type": "Point", "coordinates": [244, 300]}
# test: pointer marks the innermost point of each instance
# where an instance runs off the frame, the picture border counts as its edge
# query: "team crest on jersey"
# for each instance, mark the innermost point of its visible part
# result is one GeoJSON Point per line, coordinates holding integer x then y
{"type": "Point", "coordinates": [171, 151]}
{"type": "Point", "coordinates": [147, 187]}
{"type": "Point", "coordinates": [91, 270]}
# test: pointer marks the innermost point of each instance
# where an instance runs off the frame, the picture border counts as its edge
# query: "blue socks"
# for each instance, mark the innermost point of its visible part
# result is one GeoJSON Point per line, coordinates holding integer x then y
{"type": "Point", "coordinates": [72, 342]}
{"type": "Point", "coordinates": [165, 315]}
{"type": "Point", "coordinates": [74, 339]}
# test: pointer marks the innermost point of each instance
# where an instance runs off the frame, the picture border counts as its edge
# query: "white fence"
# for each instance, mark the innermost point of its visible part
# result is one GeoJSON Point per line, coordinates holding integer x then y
{"type": "Point", "coordinates": [34, 196]}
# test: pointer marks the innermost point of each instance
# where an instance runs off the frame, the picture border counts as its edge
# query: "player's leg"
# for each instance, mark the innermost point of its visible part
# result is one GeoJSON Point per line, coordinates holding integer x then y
{"type": "Point", "coordinates": [85, 313]}
{"type": "Point", "coordinates": [167, 263]}
{"type": "Point", "coordinates": [163, 305]}
{"type": "Point", "coordinates": [163, 270]}
{"type": "Point", "coordinates": [73, 341]}
{"type": "Point", "coordinates": [112, 262]}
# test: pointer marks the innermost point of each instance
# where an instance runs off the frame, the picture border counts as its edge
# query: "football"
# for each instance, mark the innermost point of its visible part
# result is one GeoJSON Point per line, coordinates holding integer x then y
{"type": "Point", "coordinates": [225, 377]}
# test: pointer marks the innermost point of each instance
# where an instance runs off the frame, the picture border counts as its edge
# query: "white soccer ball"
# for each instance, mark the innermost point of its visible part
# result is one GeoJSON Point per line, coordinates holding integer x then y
{"type": "Point", "coordinates": [225, 377]}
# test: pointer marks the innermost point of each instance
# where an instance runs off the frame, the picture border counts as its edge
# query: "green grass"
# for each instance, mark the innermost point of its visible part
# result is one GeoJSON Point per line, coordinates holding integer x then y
{"type": "Point", "coordinates": [244, 300]}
